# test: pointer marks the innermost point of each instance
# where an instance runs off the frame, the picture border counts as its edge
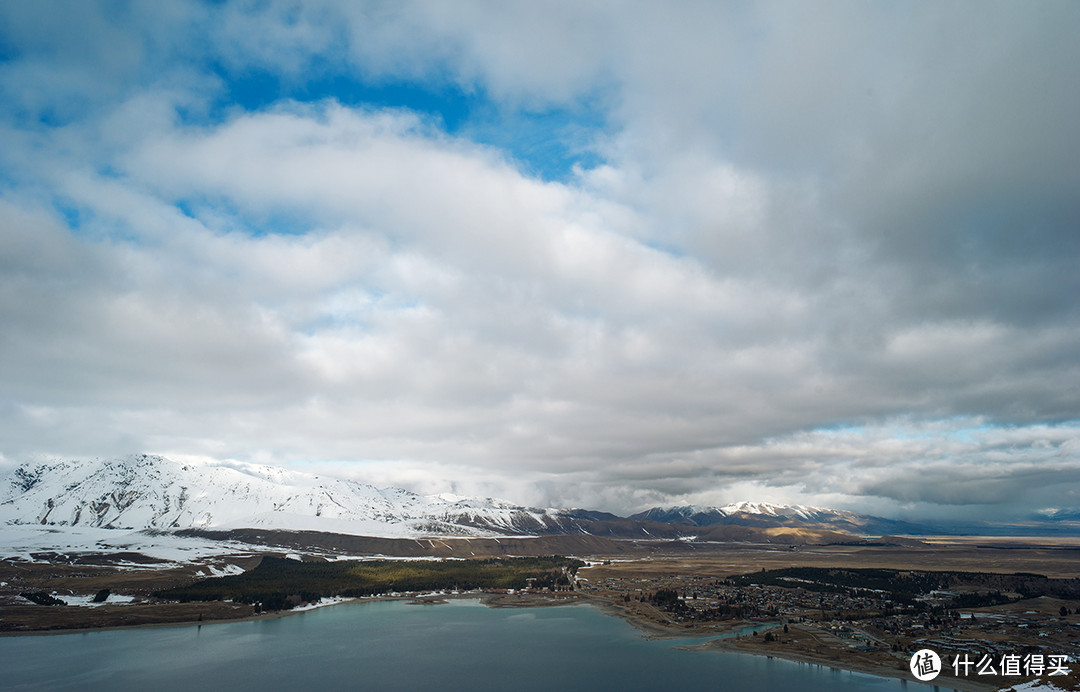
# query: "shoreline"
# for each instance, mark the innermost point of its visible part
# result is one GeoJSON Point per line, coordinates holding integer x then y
{"type": "Point", "coordinates": [948, 683]}
{"type": "Point", "coordinates": [270, 615]}
{"type": "Point", "coordinates": [152, 625]}
{"type": "Point", "coordinates": [720, 636]}
{"type": "Point", "coordinates": [489, 600]}
{"type": "Point", "coordinates": [658, 630]}
{"type": "Point", "coordinates": [722, 641]}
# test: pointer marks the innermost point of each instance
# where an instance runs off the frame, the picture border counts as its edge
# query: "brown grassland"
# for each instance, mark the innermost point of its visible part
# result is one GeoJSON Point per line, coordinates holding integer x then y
{"type": "Point", "coordinates": [618, 561]}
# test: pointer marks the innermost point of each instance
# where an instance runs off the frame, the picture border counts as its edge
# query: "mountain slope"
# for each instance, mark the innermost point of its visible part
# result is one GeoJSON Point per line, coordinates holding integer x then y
{"type": "Point", "coordinates": [153, 492]}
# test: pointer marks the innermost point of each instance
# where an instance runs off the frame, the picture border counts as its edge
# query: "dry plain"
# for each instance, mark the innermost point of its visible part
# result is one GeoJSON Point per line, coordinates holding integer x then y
{"type": "Point", "coordinates": [635, 566]}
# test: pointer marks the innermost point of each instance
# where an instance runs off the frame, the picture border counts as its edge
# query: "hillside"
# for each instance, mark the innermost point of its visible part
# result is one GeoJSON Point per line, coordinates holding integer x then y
{"type": "Point", "coordinates": [152, 492]}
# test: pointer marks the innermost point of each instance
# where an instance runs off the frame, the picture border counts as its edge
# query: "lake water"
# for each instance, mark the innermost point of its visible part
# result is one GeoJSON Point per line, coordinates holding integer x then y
{"type": "Point", "coordinates": [393, 645]}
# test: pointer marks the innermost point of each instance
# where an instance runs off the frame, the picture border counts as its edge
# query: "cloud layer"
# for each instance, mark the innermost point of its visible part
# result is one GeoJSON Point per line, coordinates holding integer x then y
{"type": "Point", "coordinates": [819, 254]}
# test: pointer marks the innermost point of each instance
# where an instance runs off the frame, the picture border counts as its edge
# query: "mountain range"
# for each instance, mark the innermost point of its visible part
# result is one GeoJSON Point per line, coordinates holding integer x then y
{"type": "Point", "coordinates": [152, 492]}
{"type": "Point", "coordinates": [765, 515]}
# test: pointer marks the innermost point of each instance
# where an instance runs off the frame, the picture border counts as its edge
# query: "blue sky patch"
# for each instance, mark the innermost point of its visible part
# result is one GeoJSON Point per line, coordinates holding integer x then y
{"type": "Point", "coordinates": [546, 143]}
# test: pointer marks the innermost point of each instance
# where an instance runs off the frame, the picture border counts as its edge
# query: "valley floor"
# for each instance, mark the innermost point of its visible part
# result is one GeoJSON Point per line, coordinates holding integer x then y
{"type": "Point", "coordinates": [837, 636]}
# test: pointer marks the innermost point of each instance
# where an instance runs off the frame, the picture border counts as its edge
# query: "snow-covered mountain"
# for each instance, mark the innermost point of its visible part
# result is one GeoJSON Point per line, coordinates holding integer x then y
{"type": "Point", "coordinates": [151, 492]}
{"type": "Point", "coordinates": [700, 515]}
{"type": "Point", "coordinates": [763, 514]}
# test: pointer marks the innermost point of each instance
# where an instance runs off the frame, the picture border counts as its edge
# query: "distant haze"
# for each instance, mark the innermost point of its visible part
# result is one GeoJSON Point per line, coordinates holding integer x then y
{"type": "Point", "coordinates": [603, 255]}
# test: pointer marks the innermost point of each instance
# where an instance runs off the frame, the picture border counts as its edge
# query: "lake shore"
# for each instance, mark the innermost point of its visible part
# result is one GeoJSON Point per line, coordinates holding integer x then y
{"type": "Point", "coordinates": [652, 627]}
{"type": "Point", "coordinates": [646, 622]}
{"type": "Point", "coordinates": [489, 599]}
{"type": "Point", "coordinates": [868, 669]}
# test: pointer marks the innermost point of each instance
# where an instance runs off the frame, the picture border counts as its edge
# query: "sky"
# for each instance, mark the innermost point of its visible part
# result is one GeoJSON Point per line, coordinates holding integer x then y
{"type": "Point", "coordinates": [604, 255]}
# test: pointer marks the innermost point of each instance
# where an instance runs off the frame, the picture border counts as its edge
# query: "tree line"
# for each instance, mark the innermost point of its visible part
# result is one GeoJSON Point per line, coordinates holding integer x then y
{"type": "Point", "coordinates": [277, 583]}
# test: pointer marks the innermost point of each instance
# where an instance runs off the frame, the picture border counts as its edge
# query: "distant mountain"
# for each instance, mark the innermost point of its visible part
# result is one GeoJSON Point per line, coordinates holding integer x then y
{"type": "Point", "coordinates": [1070, 515]}
{"type": "Point", "coordinates": [152, 492]}
{"type": "Point", "coordinates": [765, 515]}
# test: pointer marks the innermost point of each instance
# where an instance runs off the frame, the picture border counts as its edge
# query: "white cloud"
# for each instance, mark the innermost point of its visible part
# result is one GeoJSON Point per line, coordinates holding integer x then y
{"type": "Point", "coordinates": [797, 224]}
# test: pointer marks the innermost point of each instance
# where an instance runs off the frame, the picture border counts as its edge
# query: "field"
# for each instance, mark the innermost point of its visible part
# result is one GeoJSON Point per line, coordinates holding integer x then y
{"type": "Point", "coordinates": [1054, 557]}
{"type": "Point", "coordinates": [663, 587]}
{"type": "Point", "coordinates": [279, 584]}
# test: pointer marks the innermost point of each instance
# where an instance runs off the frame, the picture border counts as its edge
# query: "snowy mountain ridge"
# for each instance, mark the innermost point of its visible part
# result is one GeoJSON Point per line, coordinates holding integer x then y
{"type": "Point", "coordinates": [763, 509]}
{"type": "Point", "coordinates": [763, 514]}
{"type": "Point", "coordinates": [152, 492]}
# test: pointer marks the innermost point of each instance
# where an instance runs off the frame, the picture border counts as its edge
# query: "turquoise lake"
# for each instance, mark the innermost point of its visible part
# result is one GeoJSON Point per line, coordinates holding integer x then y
{"type": "Point", "coordinates": [394, 645]}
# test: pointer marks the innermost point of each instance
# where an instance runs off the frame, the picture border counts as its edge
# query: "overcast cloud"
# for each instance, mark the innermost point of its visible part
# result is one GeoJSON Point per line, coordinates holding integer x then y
{"type": "Point", "coordinates": [609, 255]}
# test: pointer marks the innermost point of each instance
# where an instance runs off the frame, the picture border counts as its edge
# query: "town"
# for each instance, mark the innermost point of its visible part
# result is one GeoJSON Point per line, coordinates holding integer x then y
{"type": "Point", "coordinates": [873, 629]}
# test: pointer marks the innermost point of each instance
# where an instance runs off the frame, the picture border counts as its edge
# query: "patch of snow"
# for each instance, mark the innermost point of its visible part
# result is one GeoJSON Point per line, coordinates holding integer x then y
{"type": "Point", "coordinates": [328, 601]}
{"type": "Point", "coordinates": [20, 542]}
{"type": "Point", "coordinates": [88, 601]}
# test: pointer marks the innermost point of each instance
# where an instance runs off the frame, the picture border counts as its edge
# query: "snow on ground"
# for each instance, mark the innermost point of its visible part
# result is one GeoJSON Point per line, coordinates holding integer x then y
{"type": "Point", "coordinates": [225, 571]}
{"type": "Point", "coordinates": [88, 601]}
{"type": "Point", "coordinates": [327, 601]}
{"type": "Point", "coordinates": [352, 527]}
{"type": "Point", "coordinates": [23, 541]}
{"type": "Point", "coordinates": [19, 541]}
{"type": "Point", "coordinates": [396, 558]}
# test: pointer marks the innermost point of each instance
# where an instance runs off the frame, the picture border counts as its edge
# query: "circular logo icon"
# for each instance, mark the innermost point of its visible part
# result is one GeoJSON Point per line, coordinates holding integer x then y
{"type": "Point", "coordinates": [925, 665]}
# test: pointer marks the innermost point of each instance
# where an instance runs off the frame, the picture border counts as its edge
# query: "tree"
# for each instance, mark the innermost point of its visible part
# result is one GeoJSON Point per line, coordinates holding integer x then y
{"type": "Point", "coordinates": [41, 598]}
